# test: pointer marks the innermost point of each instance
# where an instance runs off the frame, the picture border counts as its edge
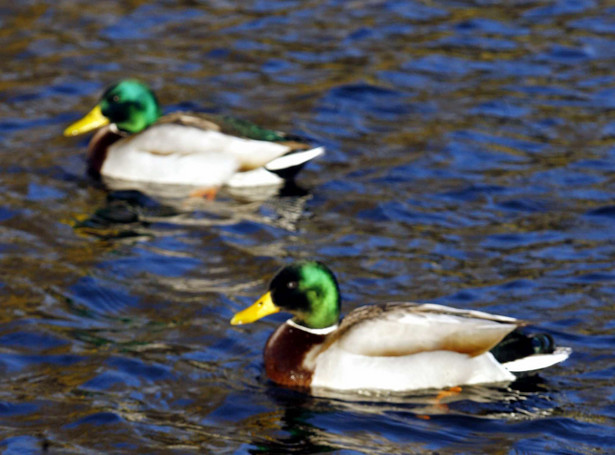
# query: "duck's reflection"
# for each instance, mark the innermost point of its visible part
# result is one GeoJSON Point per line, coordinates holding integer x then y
{"type": "Point", "coordinates": [125, 214]}
{"type": "Point", "coordinates": [292, 428]}
{"type": "Point", "coordinates": [129, 213]}
{"type": "Point", "coordinates": [295, 433]}
{"type": "Point", "coordinates": [519, 399]}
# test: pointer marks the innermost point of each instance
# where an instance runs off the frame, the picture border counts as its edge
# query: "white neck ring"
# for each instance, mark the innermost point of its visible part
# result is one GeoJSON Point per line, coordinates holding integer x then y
{"type": "Point", "coordinates": [325, 331]}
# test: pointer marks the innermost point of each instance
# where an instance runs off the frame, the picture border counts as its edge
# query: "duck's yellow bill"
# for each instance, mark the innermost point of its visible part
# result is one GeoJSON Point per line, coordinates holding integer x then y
{"type": "Point", "coordinates": [95, 119]}
{"type": "Point", "coordinates": [263, 307]}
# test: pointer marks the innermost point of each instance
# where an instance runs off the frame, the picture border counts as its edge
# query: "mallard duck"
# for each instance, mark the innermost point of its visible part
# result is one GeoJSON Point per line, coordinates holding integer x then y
{"type": "Point", "coordinates": [136, 143]}
{"type": "Point", "coordinates": [389, 347]}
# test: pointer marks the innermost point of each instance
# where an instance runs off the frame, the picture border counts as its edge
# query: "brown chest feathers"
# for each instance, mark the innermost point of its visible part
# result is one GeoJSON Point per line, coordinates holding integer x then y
{"type": "Point", "coordinates": [285, 354]}
{"type": "Point", "coordinates": [97, 150]}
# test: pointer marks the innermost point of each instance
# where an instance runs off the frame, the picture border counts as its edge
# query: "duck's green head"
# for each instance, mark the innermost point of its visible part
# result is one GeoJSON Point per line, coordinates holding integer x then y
{"type": "Point", "coordinates": [130, 105]}
{"type": "Point", "coordinates": [308, 290]}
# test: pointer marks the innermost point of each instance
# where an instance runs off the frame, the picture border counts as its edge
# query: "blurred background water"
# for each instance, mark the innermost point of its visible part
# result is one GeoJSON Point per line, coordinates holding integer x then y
{"type": "Point", "coordinates": [470, 158]}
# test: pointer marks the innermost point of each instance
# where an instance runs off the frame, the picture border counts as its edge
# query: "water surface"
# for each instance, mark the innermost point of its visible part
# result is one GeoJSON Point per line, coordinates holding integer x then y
{"type": "Point", "coordinates": [470, 158]}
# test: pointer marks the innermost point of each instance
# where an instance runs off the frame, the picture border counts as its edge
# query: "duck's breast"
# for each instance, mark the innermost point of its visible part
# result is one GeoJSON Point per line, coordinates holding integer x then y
{"type": "Point", "coordinates": [286, 355]}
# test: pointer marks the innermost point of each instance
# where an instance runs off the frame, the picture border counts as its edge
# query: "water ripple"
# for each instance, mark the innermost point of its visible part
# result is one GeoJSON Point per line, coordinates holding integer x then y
{"type": "Point", "coordinates": [469, 162]}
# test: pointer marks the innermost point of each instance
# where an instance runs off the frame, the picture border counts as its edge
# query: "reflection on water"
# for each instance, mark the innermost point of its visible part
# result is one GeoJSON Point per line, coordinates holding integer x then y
{"type": "Point", "coordinates": [129, 213]}
{"type": "Point", "coordinates": [294, 426]}
{"type": "Point", "coordinates": [469, 162]}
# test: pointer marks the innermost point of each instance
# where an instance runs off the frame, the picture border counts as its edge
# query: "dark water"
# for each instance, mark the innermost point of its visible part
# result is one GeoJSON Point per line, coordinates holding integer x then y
{"type": "Point", "coordinates": [471, 159]}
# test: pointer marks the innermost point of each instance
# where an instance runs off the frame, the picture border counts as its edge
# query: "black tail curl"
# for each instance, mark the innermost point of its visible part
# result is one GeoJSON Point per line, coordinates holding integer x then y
{"type": "Point", "coordinates": [517, 345]}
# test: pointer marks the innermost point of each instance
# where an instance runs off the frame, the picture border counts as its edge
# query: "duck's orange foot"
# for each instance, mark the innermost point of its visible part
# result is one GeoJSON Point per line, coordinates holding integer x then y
{"type": "Point", "coordinates": [451, 391]}
{"type": "Point", "coordinates": [443, 394]}
{"type": "Point", "coordinates": [206, 193]}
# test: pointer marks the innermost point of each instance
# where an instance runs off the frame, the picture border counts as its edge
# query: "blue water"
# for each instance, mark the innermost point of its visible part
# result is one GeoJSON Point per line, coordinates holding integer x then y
{"type": "Point", "coordinates": [470, 161]}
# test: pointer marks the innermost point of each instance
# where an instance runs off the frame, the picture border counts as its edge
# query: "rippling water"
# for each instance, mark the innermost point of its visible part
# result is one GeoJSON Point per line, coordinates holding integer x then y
{"type": "Point", "coordinates": [471, 150]}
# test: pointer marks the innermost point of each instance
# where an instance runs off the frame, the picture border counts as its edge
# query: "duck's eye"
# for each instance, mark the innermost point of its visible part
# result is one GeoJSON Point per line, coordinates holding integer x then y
{"type": "Point", "coordinates": [116, 98]}
{"type": "Point", "coordinates": [292, 285]}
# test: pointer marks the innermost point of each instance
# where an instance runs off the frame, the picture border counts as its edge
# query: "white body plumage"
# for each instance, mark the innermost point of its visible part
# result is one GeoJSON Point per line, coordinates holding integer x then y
{"type": "Point", "coordinates": [184, 155]}
{"type": "Point", "coordinates": [417, 347]}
